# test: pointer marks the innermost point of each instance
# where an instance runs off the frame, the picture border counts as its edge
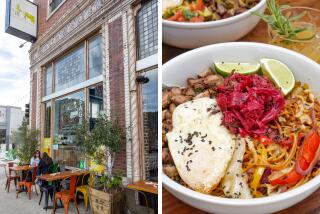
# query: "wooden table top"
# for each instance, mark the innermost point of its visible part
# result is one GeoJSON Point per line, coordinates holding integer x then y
{"type": "Point", "coordinates": [61, 175]}
{"type": "Point", "coordinates": [145, 186]}
{"type": "Point", "coordinates": [170, 204]}
{"type": "Point", "coordinates": [22, 168]}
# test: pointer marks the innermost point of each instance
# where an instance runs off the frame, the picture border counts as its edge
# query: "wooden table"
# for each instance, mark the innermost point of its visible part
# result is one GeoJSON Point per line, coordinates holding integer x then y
{"type": "Point", "coordinates": [61, 175]}
{"type": "Point", "coordinates": [22, 168]}
{"type": "Point", "coordinates": [170, 204]}
{"type": "Point", "coordinates": [145, 186]}
{"type": "Point", "coordinates": [149, 187]}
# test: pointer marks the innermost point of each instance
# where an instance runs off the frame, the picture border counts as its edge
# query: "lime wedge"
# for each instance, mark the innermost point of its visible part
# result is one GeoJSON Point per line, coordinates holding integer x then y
{"type": "Point", "coordinates": [279, 73]}
{"type": "Point", "coordinates": [227, 68]}
{"type": "Point", "coordinates": [308, 33]}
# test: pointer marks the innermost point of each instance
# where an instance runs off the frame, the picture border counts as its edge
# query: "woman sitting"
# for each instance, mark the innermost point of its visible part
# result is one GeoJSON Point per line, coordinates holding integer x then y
{"type": "Point", "coordinates": [44, 164]}
{"type": "Point", "coordinates": [35, 159]}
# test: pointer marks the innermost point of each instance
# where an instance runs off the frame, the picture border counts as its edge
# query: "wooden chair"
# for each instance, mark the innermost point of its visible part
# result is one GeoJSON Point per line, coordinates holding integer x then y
{"type": "Point", "coordinates": [83, 188]}
{"type": "Point", "coordinates": [66, 196]}
{"type": "Point", "coordinates": [10, 177]}
{"type": "Point", "coordinates": [28, 184]}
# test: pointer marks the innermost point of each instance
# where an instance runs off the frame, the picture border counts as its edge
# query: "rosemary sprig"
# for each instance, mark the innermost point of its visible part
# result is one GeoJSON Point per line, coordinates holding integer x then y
{"type": "Point", "coordinates": [278, 22]}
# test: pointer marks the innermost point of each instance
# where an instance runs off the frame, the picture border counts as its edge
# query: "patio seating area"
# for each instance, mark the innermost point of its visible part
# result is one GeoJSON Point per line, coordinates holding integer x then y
{"type": "Point", "coordinates": [11, 205]}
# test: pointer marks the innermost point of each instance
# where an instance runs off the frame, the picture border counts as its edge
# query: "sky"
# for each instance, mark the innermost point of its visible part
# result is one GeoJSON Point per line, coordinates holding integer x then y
{"type": "Point", "coordinates": [14, 67]}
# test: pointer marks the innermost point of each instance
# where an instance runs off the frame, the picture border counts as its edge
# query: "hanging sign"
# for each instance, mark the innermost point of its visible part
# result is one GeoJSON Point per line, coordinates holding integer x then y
{"type": "Point", "coordinates": [22, 19]}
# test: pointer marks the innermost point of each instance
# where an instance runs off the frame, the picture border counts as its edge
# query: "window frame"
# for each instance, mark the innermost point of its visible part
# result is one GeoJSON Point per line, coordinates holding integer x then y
{"type": "Point", "coordinates": [84, 84]}
{"type": "Point", "coordinates": [50, 13]}
{"type": "Point", "coordinates": [147, 62]}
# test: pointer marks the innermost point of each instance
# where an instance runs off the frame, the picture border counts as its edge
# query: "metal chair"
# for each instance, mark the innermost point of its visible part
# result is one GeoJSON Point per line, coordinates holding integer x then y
{"type": "Point", "coordinates": [28, 184]}
{"type": "Point", "coordinates": [10, 177]}
{"type": "Point", "coordinates": [66, 196]}
{"type": "Point", "coordinates": [132, 202]}
{"type": "Point", "coordinates": [83, 188]}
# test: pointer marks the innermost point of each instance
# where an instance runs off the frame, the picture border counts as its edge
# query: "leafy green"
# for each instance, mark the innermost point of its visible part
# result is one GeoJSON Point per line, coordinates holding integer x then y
{"type": "Point", "coordinates": [26, 141]}
{"type": "Point", "coordinates": [278, 22]}
{"type": "Point", "coordinates": [188, 14]}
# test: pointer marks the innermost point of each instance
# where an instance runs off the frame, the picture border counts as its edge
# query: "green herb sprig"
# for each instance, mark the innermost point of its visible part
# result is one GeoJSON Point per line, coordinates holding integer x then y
{"type": "Point", "coordinates": [278, 22]}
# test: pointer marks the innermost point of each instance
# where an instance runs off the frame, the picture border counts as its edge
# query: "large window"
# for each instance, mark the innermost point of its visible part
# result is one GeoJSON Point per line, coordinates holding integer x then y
{"type": "Point", "coordinates": [48, 80]}
{"type": "Point", "coordinates": [70, 69]}
{"type": "Point", "coordinates": [147, 29]}
{"type": "Point", "coordinates": [69, 113]}
{"type": "Point", "coordinates": [95, 56]}
{"type": "Point", "coordinates": [150, 123]}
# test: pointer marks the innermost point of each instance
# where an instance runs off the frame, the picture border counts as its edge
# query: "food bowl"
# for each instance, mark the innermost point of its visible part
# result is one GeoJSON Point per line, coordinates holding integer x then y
{"type": "Point", "coordinates": [176, 71]}
{"type": "Point", "coordinates": [193, 35]}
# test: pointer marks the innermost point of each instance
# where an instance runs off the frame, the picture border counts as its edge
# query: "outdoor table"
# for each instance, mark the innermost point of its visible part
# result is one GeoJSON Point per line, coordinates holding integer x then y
{"type": "Point", "coordinates": [170, 204]}
{"type": "Point", "coordinates": [59, 176]}
{"type": "Point", "coordinates": [22, 168]}
{"type": "Point", "coordinates": [149, 187]}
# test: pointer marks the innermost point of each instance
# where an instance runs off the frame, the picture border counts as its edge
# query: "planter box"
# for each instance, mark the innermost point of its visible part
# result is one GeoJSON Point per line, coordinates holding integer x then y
{"type": "Point", "coordinates": [106, 203]}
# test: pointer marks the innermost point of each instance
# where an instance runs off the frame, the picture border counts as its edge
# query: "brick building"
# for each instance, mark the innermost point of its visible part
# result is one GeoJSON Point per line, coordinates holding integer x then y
{"type": "Point", "coordinates": [94, 56]}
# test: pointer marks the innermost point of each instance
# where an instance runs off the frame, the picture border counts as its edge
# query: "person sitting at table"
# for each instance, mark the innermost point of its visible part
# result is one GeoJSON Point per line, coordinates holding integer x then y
{"type": "Point", "coordinates": [35, 159]}
{"type": "Point", "coordinates": [44, 164]}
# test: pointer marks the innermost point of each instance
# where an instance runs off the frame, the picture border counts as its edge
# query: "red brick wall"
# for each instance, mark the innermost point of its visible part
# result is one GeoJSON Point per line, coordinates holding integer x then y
{"type": "Point", "coordinates": [33, 100]}
{"type": "Point", "coordinates": [43, 23]}
{"type": "Point", "coordinates": [116, 78]}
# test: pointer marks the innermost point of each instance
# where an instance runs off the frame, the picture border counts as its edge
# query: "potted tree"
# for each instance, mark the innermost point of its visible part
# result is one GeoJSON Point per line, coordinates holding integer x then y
{"type": "Point", "coordinates": [26, 141]}
{"type": "Point", "coordinates": [101, 144]}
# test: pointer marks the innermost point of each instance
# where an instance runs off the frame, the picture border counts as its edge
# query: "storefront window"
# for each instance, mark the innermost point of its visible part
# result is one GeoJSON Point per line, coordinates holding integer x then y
{"type": "Point", "coordinates": [95, 56]}
{"type": "Point", "coordinates": [150, 123]}
{"type": "Point", "coordinates": [70, 69]}
{"type": "Point", "coordinates": [69, 112]}
{"type": "Point", "coordinates": [147, 29]}
{"type": "Point", "coordinates": [48, 81]}
{"type": "Point", "coordinates": [95, 103]}
{"type": "Point", "coordinates": [47, 120]}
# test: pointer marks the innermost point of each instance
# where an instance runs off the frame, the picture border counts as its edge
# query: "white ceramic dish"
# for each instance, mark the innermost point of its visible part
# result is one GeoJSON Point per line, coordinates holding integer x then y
{"type": "Point", "coordinates": [176, 71]}
{"type": "Point", "coordinates": [193, 35]}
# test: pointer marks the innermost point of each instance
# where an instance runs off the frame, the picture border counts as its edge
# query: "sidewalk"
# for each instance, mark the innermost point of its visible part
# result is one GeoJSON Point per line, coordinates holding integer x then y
{"type": "Point", "coordinates": [10, 205]}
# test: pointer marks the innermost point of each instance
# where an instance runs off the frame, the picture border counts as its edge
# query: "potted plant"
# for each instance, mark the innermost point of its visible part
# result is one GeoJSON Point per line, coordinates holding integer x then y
{"type": "Point", "coordinates": [101, 144]}
{"type": "Point", "coordinates": [26, 141]}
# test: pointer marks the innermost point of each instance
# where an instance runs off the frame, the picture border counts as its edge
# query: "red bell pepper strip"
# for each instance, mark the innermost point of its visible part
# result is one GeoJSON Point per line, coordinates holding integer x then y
{"type": "Point", "coordinates": [291, 178]}
{"type": "Point", "coordinates": [264, 140]}
{"type": "Point", "coordinates": [176, 16]}
{"type": "Point", "coordinates": [199, 5]}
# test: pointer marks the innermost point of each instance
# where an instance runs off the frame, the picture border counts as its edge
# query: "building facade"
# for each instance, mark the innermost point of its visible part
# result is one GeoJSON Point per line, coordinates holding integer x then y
{"type": "Point", "coordinates": [94, 56]}
{"type": "Point", "coordinates": [10, 120]}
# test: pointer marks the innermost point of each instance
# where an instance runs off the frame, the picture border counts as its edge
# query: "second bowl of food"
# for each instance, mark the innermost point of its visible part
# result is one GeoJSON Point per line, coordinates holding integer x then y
{"type": "Point", "coordinates": [240, 127]}
{"type": "Point", "coordinates": [192, 24]}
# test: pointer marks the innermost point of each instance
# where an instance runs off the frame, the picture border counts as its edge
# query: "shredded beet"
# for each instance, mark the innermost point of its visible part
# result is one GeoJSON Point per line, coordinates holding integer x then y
{"type": "Point", "coordinates": [249, 103]}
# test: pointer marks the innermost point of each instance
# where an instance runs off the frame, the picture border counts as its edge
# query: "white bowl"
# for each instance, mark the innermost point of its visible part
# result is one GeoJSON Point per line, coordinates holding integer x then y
{"type": "Point", "coordinates": [193, 35]}
{"type": "Point", "coordinates": [176, 71]}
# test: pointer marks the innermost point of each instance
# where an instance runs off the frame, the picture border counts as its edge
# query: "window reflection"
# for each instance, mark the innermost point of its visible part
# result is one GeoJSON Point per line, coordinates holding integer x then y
{"type": "Point", "coordinates": [95, 56]}
{"type": "Point", "coordinates": [95, 103]}
{"type": "Point", "coordinates": [69, 112]}
{"type": "Point", "coordinates": [150, 123]}
{"type": "Point", "coordinates": [48, 81]}
{"type": "Point", "coordinates": [70, 69]}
